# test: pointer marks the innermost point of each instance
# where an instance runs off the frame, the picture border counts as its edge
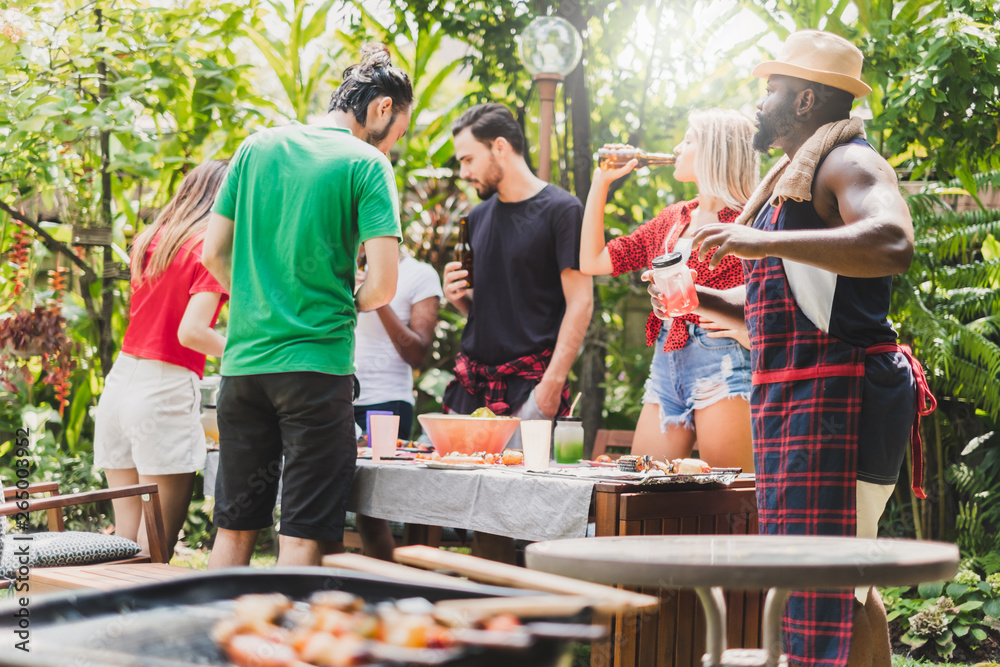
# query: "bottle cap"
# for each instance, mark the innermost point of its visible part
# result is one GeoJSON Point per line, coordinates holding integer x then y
{"type": "Point", "coordinates": [569, 419]}
{"type": "Point", "coordinates": [670, 259]}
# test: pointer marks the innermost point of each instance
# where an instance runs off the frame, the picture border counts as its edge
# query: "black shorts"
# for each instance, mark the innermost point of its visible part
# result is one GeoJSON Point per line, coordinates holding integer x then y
{"type": "Point", "coordinates": [889, 401]}
{"type": "Point", "coordinates": [305, 418]}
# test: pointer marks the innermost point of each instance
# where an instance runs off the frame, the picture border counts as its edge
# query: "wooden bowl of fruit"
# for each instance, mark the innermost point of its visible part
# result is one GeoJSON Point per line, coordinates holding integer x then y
{"type": "Point", "coordinates": [467, 434]}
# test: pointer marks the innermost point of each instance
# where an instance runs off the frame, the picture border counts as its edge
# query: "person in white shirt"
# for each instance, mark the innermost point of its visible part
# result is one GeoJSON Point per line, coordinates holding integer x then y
{"type": "Point", "coordinates": [393, 341]}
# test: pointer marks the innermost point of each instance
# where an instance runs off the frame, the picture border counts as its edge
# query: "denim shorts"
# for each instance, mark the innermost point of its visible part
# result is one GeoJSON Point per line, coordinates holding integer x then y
{"type": "Point", "coordinates": [703, 372]}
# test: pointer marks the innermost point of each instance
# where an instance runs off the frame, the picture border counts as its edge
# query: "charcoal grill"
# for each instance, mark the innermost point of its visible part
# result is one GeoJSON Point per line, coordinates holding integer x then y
{"type": "Point", "coordinates": [167, 624]}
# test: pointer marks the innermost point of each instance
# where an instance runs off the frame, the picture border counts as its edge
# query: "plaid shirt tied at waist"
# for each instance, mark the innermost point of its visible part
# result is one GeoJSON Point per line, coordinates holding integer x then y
{"type": "Point", "coordinates": [490, 382]}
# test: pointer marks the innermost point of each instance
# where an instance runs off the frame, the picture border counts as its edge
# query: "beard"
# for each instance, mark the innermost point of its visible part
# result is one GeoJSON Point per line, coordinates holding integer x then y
{"type": "Point", "coordinates": [773, 126]}
{"type": "Point", "coordinates": [377, 136]}
{"type": "Point", "coordinates": [486, 187]}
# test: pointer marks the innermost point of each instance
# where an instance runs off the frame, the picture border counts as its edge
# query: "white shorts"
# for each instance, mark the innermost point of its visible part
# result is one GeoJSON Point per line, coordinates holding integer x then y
{"type": "Point", "coordinates": [148, 419]}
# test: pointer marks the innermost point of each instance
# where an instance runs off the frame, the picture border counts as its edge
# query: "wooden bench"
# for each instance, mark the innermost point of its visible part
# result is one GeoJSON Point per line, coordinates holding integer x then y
{"type": "Point", "coordinates": [103, 577]}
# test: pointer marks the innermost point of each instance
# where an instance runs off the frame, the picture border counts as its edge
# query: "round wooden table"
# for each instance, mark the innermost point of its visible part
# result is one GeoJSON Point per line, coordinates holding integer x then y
{"type": "Point", "coordinates": [780, 563]}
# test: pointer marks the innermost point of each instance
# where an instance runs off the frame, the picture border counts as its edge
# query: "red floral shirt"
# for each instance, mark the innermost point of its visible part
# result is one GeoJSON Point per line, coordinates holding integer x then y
{"type": "Point", "coordinates": [650, 240]}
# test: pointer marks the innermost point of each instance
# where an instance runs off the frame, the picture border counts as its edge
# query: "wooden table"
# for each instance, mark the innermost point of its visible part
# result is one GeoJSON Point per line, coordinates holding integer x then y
{"type": "Point", "coordinates": [780, 563]}
{"type": "Point", "coordinates": [674, 634]}
{"type": "Point", "coordinates": [103, 577]}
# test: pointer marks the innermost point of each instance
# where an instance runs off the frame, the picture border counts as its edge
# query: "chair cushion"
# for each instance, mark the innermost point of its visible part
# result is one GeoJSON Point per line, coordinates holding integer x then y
{"type": "Point", "coordinates": [61, 549]}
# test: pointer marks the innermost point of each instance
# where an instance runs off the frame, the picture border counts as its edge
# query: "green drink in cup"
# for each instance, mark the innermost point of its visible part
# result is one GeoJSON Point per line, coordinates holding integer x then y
{"type": "Point", "coordinates": [567, 440]}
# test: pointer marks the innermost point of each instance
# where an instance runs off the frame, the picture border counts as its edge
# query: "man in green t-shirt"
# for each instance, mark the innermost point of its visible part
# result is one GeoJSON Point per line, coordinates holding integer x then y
{"type": "Point", "coordinates": [283, 238]}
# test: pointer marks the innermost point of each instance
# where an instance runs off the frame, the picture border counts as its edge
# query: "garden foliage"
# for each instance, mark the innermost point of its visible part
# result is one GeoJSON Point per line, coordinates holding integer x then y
{"type": "Point", "coordinates": [106, 105]}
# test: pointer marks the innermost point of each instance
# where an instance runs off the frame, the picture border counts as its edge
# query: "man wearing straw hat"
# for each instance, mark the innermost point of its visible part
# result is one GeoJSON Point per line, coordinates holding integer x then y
{"type": "Point", "coordinates": [834, 398]}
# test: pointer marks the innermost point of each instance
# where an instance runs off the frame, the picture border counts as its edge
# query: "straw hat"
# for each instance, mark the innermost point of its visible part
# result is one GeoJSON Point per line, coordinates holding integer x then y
{"type": "Point", "coordinates": [815, 55]}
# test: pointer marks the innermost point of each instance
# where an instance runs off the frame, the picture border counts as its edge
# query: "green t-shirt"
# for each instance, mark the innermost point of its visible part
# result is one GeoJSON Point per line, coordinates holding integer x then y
{"type": "Point", "coordinates": [303, 198]}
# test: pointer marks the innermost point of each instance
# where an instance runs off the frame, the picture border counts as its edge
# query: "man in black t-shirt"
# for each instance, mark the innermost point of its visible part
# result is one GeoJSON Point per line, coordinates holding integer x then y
{"type": "Point", "coordinates": [532, 305]}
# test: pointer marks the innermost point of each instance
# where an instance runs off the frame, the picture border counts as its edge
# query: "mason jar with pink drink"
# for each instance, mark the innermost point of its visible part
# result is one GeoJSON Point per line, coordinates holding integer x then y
{"type": "Point", "coordinates": [672, 277]}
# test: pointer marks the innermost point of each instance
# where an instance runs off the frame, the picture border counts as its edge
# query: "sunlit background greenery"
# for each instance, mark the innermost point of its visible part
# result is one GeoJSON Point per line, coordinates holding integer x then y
{"type": "Point", "coordinates": [106, 104]}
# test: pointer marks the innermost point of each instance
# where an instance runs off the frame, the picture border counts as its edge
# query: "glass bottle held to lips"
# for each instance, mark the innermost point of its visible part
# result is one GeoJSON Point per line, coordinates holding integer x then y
{"type": "Point", "coordinates": [614, 156]}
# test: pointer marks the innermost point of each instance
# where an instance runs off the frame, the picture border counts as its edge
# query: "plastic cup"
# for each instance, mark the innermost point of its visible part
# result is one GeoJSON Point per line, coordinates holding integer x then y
{"type": "Point", "coordinates": [210, 423]}
{"type": "Point", "coordinates": [536, 436]}
{"type": "Point", "coordinates": [382, 436]}
{"type": "Point", "coordinates": [368, 421]}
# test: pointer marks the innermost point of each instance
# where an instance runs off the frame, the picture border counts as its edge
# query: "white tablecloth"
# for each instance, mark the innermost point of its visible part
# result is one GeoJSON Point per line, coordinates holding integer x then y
{"type": "Point", "coordinates": [498, 501]}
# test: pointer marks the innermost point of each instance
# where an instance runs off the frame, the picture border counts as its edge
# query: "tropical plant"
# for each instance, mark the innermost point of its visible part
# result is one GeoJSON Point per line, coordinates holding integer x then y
{"type": "Point", "coordinates": [293, 52]}
{"type": "Point", "coordinates": [933, 115]}
{"type": "Point", "coordinates": [99, 101]}
{"type": "Point", "coordinates": [944, 616]}
{"type": "Point", "coordinates": [945, 307]}
{"type": "Point", "coordinates": [104, 106]}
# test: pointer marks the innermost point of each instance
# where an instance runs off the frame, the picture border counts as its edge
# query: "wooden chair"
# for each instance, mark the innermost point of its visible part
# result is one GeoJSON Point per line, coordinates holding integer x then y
{"type": "Point", "coordinates": [618, 441]}
{"type": "Point", "coordinates": [55, 502]}
{"type": "Point", "coordinates": [52, 503]}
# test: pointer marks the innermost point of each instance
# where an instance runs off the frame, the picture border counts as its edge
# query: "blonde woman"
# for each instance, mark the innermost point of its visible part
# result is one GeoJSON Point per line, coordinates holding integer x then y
{"type": "Point", "coordinates": [148, 427]}
{"type": "Point", "coordinates": [699, 383]}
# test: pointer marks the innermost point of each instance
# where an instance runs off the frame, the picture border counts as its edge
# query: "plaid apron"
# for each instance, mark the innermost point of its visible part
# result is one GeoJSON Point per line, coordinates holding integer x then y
{"type": "Point", "coordinates": [805, 403]}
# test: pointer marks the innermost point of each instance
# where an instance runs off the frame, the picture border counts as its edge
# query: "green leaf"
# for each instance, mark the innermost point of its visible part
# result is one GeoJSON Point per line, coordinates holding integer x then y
{"type": "Point", "coordinates": [33, 124]}
{"type": "Point", "coordinates": [7, 51]}
{"type": "Point", "coordinates": [991, 248]}
{"type": "Point", "coordinates": [927, 111]}
{"type": "Point", "coordinates": [992, 608]}
{"type": "Point", "coordinates": [930, 590]}
{"type": "Point", "coordinates": [960, 630]}
{"type": "Point", "coordinates": [955, 589]}
{"type": "Point", "coordinates": [970, 605]}
{"type": "Point", "coordinates": [979, 634]}
{"type": "Point", "coordinates": [965, 177]}
{"type": "Point", "coordinates": [65, 132]}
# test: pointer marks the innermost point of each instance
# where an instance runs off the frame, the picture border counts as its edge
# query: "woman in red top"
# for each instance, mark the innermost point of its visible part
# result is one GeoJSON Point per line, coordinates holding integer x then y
{"type": "Point", "coordinates": [699, 383]}
{"type": "Point", "coordinates": [148, 427]}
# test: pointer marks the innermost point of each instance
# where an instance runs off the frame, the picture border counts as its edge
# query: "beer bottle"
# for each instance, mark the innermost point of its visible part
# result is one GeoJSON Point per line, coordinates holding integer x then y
{"type": "Point", "coordinates": [463, 250]}
{"type": "Point", "coordinates": [613, 156]}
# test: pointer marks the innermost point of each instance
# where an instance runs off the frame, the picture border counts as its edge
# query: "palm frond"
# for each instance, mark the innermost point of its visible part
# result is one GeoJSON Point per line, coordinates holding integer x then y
{"type": "Point", "coordinates": [971, 303]}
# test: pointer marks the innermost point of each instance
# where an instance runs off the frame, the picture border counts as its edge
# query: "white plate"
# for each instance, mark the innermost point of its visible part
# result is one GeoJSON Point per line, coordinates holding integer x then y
{"type": "Point", "coordinates": [437, 465]}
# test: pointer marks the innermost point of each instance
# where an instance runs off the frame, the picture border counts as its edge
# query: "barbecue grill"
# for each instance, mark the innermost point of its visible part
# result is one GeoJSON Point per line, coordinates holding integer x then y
{"type": "Point", "coordinates": [168, 624]}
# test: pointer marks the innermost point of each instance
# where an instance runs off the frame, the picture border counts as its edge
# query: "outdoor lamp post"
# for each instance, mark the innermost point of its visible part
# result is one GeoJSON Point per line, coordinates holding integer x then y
{"type": "Point", "coordinates": [550, 48]}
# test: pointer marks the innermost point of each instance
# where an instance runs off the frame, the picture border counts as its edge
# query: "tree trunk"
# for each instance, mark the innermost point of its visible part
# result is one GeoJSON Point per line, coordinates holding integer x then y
{"type": "Point", "coordinates": [105, 344]}
{"type": "Point", "coordinates": [592, 368]}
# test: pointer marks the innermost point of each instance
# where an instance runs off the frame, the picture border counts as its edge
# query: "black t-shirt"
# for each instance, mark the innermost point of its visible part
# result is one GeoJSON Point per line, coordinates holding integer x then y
{"type": "Point", "coordinates": [520, 249]}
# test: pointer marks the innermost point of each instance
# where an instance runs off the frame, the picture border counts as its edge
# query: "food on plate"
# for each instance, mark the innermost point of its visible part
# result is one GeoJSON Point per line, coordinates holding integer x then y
{"type": "Point", "coordinates": [630, 463]}
{"type": "Point", "coordinates": [512, 457]}
{"type": "Point", "coordinates": [603, 458]}
{"type": "Point", "coordinates": [689, 466]}
{"type": "Point", "coordinates": [662, 466]}
{"type": "Point", "coordinates": [483, 412]}
{"type": "Point", "coordinates": [334, 628]}
{"type": "Point", "coordinates": [508, 457]}
{"type": "Point", "coordinates": [455, 457]}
